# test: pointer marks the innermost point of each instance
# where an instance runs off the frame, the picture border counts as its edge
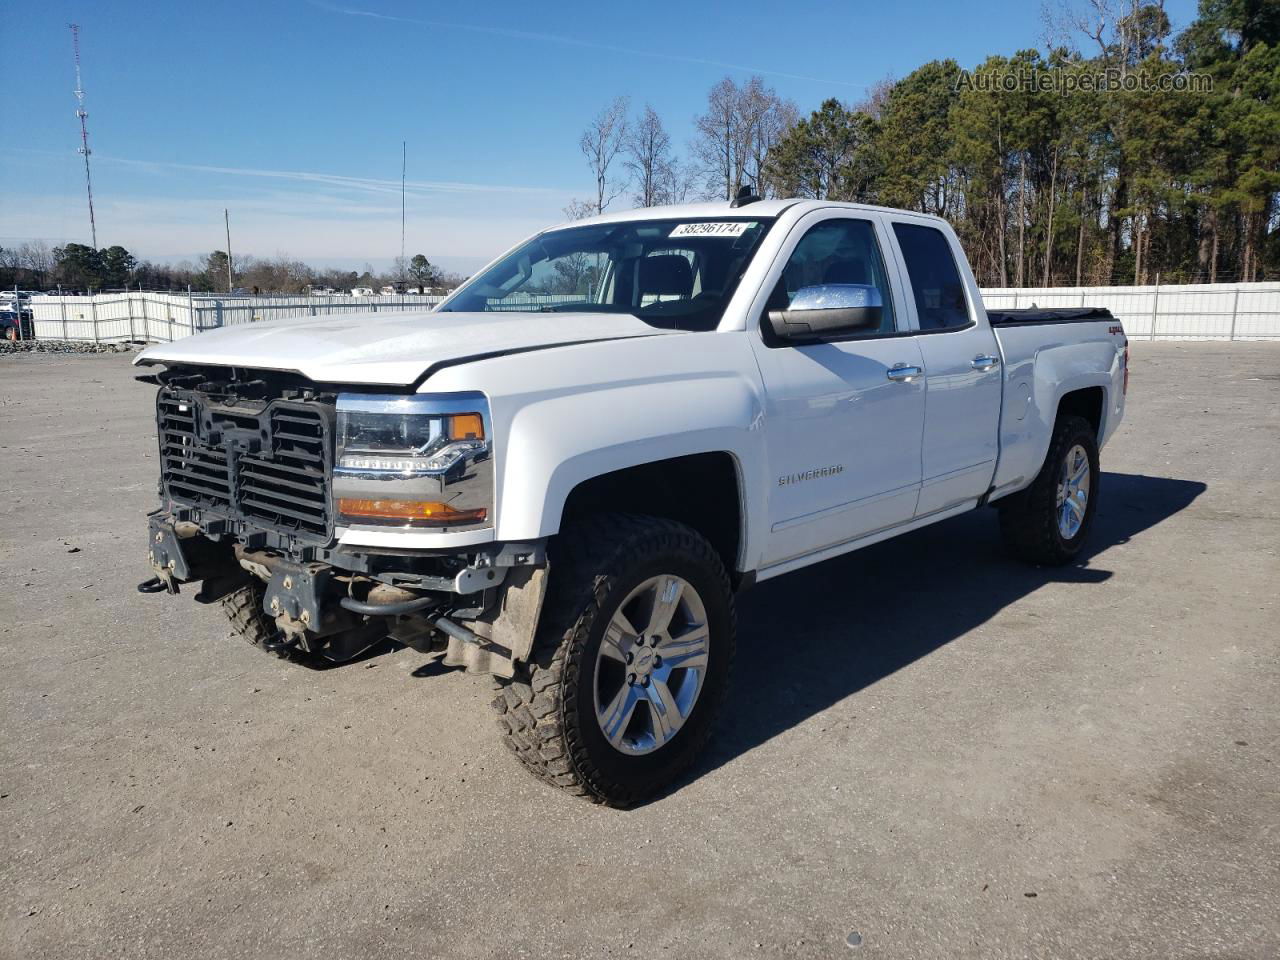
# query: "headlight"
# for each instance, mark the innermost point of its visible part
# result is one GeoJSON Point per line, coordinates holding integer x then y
{"type": "Point", "coordinates": [417, 461]}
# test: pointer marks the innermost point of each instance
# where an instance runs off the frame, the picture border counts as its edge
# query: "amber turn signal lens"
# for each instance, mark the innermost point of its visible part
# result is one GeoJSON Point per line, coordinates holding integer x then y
{"type": "Point", "coordinates": [466, 426]}
{"type": "Point", "coordinates": [417, 513]}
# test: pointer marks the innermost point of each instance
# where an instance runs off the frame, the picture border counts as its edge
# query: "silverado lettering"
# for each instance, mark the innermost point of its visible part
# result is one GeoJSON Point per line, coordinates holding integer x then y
{"type": "Point", "coordinates": [810, 474]}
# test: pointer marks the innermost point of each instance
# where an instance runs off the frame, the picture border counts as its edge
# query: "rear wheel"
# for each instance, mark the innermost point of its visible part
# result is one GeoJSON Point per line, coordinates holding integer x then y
{"type": "Point", "coordinates": [1049, 522]}
{"type": "Point", "coordinates": [631, 662]}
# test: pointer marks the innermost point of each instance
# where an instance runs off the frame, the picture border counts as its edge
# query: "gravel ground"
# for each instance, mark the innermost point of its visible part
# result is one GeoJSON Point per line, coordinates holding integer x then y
{"type": "Point", "coordinates": [928, 745]}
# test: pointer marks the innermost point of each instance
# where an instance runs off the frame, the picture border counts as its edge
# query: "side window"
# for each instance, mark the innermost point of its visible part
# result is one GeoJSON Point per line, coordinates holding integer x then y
{"type": "Point", "coordinates": [935, 281]}
{"type": "Point", "coordinates": [838, 251]}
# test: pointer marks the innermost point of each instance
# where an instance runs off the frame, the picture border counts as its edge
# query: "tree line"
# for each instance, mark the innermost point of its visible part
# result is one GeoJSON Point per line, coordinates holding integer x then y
{"type": "Point", "coordinates": [1123, 154]}
{"type": "Point", "coordinates": [78, 268]}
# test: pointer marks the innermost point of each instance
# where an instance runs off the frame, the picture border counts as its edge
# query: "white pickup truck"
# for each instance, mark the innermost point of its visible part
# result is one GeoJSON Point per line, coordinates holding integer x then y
{"type": "Point", "coordinates": [562, 474]}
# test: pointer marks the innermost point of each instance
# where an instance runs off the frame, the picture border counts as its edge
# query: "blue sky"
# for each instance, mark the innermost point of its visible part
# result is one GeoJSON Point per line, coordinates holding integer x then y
{"type": "Point", "coordinates": [291, 113]}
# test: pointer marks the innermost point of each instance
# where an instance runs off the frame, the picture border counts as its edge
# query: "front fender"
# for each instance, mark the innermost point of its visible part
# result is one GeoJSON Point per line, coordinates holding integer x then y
{"type": "Point", "coordinates": [557, 443]}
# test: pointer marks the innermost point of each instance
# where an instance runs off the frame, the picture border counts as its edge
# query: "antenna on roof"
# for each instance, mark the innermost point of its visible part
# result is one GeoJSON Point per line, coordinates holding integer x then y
{"type": "Point", "coordinates": [745, 196]}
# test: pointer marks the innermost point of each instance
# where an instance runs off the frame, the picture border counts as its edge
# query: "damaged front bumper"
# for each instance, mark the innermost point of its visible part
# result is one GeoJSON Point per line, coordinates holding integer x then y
{"type": "Point", "coordinates": [479, 609]}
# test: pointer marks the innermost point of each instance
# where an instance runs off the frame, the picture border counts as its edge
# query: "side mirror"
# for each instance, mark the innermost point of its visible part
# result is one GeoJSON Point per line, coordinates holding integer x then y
{"type": "Point", "coordinates": [828, 310]}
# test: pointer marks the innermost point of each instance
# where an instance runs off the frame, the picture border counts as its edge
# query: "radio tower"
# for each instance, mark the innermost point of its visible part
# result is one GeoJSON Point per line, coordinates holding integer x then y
{"type": "Point", "coordinates": [84, 133]}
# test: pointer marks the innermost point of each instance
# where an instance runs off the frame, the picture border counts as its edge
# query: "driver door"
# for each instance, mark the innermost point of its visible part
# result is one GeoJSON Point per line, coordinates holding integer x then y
{"type": "Point", "coordinates": [844, 415]}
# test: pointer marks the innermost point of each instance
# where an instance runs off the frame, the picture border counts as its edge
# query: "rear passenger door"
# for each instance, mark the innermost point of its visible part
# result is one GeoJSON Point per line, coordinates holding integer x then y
{"type": "Point", "coordinates": [962, 369]}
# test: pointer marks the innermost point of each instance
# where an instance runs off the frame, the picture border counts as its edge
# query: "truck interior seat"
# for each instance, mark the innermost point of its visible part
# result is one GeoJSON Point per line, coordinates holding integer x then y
{"type": "Point", "coordinates": [664, 276]}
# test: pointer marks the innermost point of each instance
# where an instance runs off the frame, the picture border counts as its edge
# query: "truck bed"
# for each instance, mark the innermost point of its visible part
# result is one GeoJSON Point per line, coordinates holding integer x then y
{"type": "Point", "coordinates": [1027, 316]}
{"type": "Point", "coordinates": [1049, 352]}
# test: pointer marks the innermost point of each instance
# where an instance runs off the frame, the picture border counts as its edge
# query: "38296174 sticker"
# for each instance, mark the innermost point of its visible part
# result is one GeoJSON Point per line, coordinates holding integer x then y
{"type": "Point", "coordinates": [728, 228]}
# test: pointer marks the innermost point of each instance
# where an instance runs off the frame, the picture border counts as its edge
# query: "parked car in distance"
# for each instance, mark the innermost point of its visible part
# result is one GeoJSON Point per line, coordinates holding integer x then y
{"type": "Point", "coordinates": [562, 475]}
{"type": "Point", "coordinates": [16, 320]}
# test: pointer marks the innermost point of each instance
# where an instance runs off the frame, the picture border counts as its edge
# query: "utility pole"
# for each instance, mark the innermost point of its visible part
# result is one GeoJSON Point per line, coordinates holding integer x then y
{"type": "Point", "coordinates": [84, 133]}
{"type": "Point", "coordinates": [404, 155]}
{"type": "Point", "coordinates": [226, 219]}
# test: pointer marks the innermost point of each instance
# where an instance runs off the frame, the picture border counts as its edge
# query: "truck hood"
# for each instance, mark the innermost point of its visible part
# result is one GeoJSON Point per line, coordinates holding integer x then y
{"type": "Point", "coordinates": [393, 349]}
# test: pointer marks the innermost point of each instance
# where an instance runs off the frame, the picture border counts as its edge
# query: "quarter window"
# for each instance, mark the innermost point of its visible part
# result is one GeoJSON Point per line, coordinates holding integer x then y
{"type": "Point", "coordinates": [935, 281]}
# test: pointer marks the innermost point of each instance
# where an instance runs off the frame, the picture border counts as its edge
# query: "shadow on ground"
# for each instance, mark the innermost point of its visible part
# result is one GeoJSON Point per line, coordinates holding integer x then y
{"type": "Point", "coordinates": [812, 638]}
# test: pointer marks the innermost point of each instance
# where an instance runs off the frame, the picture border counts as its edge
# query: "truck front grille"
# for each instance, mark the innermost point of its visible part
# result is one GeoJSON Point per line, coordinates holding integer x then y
{"type": "Point", "coordinates": [190, 471]}
{"type": "Point", "coordinates": [286, 488]}
{"type": "Point", "coordinates": [268, 468]}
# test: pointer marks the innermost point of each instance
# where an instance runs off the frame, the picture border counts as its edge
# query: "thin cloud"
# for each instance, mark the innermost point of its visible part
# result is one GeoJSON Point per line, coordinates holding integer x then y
{"type": "Point", "coordinates": [369, 184]}
{"type": "Point", "coordinates": [574, 42]}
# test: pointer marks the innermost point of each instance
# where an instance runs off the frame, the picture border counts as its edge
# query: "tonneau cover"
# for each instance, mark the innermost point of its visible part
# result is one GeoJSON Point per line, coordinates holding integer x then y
{"type": "Point", "coordinates": [1029, 315]}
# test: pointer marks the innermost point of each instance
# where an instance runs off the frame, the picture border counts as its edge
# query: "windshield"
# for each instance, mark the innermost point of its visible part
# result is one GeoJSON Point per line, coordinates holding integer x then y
{"type": "Point", "coordinates": [677, 274]}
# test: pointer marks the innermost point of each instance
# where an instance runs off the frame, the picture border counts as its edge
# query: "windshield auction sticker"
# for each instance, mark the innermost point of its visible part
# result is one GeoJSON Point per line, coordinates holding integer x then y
{"type": "Point", "coordinates": [726, 229]}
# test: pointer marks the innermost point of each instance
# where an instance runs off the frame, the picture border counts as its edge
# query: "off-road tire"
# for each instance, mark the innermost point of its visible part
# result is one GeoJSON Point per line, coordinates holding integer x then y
{"type": "Point", "coordinates": [1029, 518]}
{"type": "Point", "coordinates": [243, 607]}
{"type": "Point", "coordinates": [545, 712]}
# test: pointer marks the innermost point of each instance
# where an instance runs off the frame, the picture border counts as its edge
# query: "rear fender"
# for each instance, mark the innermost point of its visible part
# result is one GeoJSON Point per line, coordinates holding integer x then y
{"type": "Point", "coordinates": [1034, 388]}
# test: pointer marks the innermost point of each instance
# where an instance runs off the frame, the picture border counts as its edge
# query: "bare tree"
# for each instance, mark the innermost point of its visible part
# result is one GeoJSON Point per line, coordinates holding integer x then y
{"type": "Point", "coordinates": [37, 256]}
{"type": "Point", "coordinates": [717, 145]}
{"type": "Point", "coordinates": [580, 209]}
{"type": "Point", "coordinates": [648, 157]}
{"type": "Point", "coordinates": [601, 143]}
{"type": "Point", "coordinates": [1124, 31]}
{"type": "Point", "coordinates": [678, 182]}
{"type": "Point", "coordinates": [764, 119]}
{"type": "Point", "coordinates": [735, 136]}
{"type": "Point", "coordinates": [877, 96]}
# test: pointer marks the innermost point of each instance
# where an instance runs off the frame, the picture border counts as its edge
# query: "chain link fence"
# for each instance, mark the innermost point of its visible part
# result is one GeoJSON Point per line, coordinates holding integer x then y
{"type": "Point", "coordinates": [161, 317]}
{"type": "Point", "coordinates": [1223, 311]}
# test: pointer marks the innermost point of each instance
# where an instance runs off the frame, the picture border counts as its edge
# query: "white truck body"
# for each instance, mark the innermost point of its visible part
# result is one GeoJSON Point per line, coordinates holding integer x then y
{"type": "Point", "coordinates": [560, 474]}
{"type": "Point", "coordinates": [616, 392]}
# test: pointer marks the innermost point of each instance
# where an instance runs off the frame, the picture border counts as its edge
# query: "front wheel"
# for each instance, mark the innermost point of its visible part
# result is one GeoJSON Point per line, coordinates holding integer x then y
{"type": "Point", "coordinates": [631, 663]}
{"type": "Point", "coordinates": [1048, 522]}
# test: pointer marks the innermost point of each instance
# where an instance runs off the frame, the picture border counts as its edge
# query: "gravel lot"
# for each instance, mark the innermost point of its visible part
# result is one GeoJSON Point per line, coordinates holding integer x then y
{"type": "Point", "coordinates": [950, 754]}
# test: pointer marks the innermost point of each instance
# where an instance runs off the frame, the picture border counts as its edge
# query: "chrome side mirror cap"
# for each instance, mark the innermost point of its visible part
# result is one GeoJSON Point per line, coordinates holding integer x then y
{"type": "Point", "coordinates": [829, 310]}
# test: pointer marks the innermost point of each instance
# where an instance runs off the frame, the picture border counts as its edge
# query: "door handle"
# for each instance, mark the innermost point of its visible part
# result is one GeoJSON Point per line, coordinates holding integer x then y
{"type": "Point", "coordinates": [901, 373]}
{"type": "Point", "coordinates": [985, 362]}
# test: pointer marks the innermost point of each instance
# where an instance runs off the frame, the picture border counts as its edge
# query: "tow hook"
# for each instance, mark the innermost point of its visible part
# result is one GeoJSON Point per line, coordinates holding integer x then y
{"type": "Point", "coordinates": [285, 643]}
{"type": "Point", "coordinates": [180, 554]}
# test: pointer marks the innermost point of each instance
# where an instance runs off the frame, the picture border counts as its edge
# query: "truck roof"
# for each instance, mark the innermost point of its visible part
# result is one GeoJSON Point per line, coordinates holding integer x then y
{"type": "Point", "coordinates": [722, 208]}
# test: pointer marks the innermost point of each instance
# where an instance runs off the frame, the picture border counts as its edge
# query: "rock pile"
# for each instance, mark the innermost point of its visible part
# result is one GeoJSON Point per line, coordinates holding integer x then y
{"type": "Point", "coordinates": [64, 346]}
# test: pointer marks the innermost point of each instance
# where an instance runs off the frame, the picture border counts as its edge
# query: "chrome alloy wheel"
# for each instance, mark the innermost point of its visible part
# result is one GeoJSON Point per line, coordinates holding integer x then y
{"type": "Point", "coordinates": [651, 665]}
{"type": "Point", "coordinates": [1073, 491]}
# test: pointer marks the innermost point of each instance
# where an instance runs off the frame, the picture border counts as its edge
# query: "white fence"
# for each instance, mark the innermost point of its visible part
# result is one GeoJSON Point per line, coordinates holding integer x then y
{"type": "Point", "coordinates": [1204, 311]}
{"type": "Point", "coordinates": [115, 317]}
{"type": "Point", "coordinates": [1221, 311]}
